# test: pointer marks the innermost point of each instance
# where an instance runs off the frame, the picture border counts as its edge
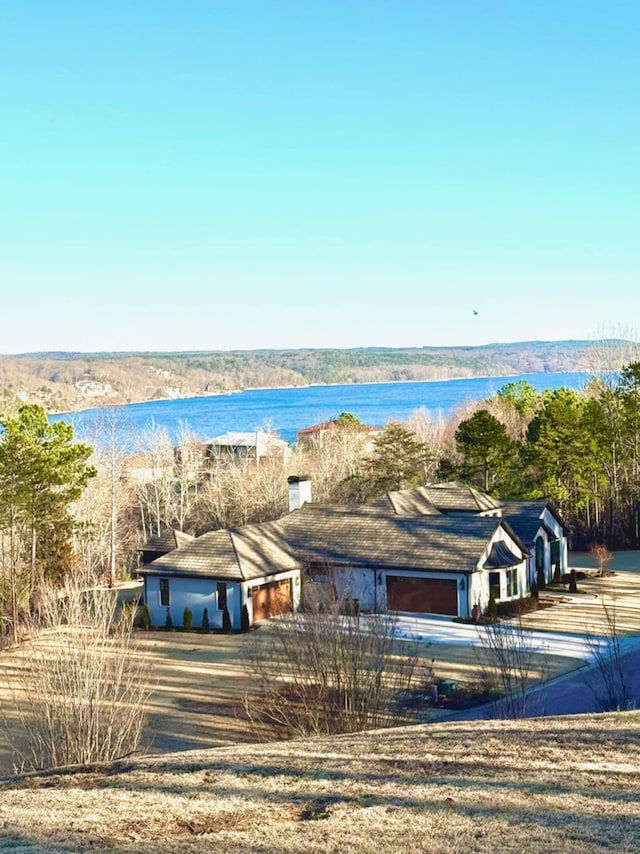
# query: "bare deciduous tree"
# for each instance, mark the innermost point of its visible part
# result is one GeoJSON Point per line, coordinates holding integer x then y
{"type": "Point", "coordinates": [82, 697]}
{"type": "Point", "coordinates": [508, 660]}
{"type": "Point", "coordinates": [609, 681]}
{"type": "Point", "coordinates": [328, 672]}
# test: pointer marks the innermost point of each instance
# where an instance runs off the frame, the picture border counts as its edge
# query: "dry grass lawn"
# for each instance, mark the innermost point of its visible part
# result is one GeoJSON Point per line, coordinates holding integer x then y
{"type": "Point", "coordinates": [200, 680]}
{"type": "Point", "coordinates": [547, 785]}
{"type": "Point", "coordinates": [584, 612]}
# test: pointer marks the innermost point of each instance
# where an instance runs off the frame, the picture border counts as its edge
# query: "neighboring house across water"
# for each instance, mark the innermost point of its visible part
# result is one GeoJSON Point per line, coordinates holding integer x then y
{"type": "Point", "coordinates": [239, 446]}
{"type": "Point", "coordinates": [437, 549]}
{"type": "Point", "coordinates": [316, 432]}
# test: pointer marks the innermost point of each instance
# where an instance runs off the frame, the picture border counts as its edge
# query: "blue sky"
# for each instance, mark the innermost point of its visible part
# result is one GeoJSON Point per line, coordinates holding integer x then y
{"type": "Point", "coordinates": [324, 173]}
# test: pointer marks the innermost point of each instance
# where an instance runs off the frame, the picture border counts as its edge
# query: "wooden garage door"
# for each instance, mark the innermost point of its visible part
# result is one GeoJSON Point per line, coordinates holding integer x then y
{"type": "Point", "coordinates": [422, 595]}
{"type": "Point", "coordinates": [271, 599]}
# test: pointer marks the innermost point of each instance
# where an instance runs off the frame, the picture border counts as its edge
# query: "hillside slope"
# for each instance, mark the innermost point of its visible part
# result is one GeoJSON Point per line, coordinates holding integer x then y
{"type": "Point", "coordinates": [67, 381]}
{"type": "Point", "coordinates": [563, 784]}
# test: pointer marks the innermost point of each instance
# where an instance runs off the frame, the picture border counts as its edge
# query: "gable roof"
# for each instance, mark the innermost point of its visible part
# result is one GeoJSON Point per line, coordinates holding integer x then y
{"type": "Point", "coordinates": [360, 537]}
{"type": "Point", "coordinates": [453, 497]}
{"type": "Point", "coordinates": [407, 502]}
{"type": "Point", "coordinates": [239, 554]}
{"type": "Point", "coordinates": [526, 518]}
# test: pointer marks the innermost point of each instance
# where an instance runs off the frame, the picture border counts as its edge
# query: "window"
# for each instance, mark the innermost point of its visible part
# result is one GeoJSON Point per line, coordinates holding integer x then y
{"type": "Point", "coordinates": [164, 592]}
{"type": "Point", "coordinates": [494, 584]}
{"type": "Point", "coordinates": [512, 582]}
{"type": "Point", "coordinates": [222, 595]}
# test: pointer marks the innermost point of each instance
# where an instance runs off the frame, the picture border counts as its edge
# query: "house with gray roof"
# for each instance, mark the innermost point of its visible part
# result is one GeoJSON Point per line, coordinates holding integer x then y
{"type": "Point", "coordinates": [420, 563]}
{"type": "Point", "coordinates": [422, 550]}
{"type": "Point", "coordinates": [251, 566]}
{"type": "Point", "coordinates": [252, 445]}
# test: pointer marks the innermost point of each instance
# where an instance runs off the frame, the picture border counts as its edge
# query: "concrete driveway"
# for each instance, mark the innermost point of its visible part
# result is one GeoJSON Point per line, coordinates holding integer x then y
{"type": "Point", "coordinates": [440, 630]}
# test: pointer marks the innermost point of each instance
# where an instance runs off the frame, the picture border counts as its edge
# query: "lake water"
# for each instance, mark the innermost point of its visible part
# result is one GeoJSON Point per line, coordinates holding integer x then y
{"type": "Point", "coordinates": [287, 410]}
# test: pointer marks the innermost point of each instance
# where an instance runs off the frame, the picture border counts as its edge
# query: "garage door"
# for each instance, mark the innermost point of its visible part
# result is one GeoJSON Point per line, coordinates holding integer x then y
{"type": "Point", "coordinates": [422, 595]}
{"type": "Point", "coordinates": [271, 599]}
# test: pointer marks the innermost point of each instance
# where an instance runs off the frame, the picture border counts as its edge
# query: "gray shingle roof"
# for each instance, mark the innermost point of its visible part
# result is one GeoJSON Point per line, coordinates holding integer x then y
{"type": "Point", "coordinates": [167, 540]}
{"type": "Point", "coordinates": [359, 537]}
{"type": "Point", "coordinates": [407, 502]}
{"type": "Point", "coordinates": [455, 497]}
{"type": "Point", "coordinates": [241, 554]}
{"type": "Point", "coordinates": [525, 517]}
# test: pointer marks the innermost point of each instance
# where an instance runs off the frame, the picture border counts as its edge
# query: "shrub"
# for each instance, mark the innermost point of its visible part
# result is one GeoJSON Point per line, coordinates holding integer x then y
{"type": "Point", "coordinates": [87, 691]}
{"type": "Point", "coordinates": [492, 608]}
{"type": "Point", "coordinates": [146, 618]}
{"type": "Point", "coordinates": [534, 590]}
{"type": "Point", "coordinates": [226, 620]}
{"type": "Point", "coordinates": [579, 575]}
{"type": "Point", "coordinates": [168, 622]}
{"type": "Point", "coordinates": [187, 619]}
{"type": "Point", "coordinates": [517, 607]}
{"type": "Point", "coordinates": [542, 582]}
{"type": "Point", "coordinates": [244, 619]}
{"type": "Point", "coordinates": [573, 587]}
{"type": "Point", "coordinates": [556, 574]}
{"type": "Point", "coordinates": [205, 621]}
{"type": "Point", "coordinates": [322, 673]}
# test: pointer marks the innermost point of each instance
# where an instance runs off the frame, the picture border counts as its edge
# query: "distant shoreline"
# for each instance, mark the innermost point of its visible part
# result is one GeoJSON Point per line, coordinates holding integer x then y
{"type": "Point", "coordinates": [206, 395]}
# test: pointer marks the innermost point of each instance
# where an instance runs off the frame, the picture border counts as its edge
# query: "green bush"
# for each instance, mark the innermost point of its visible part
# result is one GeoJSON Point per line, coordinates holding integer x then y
{"type": "Point", "coordinates": [557, 574]}
{"type": "Point", "coordinates": [226, 621]}
{"type": "Point", "coordinates": [187, 619]}
{"type": "Point", "coordinates": [168, 622]}
{"type": "Point", "coordinates": [542, 582]}
{"type": "Point", "coordinates": [145, 618]}
{"type": "Point", "coordinates": [492, 607]}
{"type": "Point", "coordinates": [244, 619]}
{"type": "Point", "coordinates": [573, 587]}
{"type": "Point", "coordinates": [205, 621]}
{"type": "Point", "coordinates": [517, 607]}
{"type": "Point", "coordinates": [534, 590]}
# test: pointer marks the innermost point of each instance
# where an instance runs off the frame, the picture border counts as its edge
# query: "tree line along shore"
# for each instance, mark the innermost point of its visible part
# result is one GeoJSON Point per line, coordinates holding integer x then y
{"type": "Point", "coordinates": [63, 382]}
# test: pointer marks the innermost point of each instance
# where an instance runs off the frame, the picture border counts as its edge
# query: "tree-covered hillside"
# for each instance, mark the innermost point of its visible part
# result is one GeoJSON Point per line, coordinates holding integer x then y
{"type": "Point", "coordinates": [62, 381]}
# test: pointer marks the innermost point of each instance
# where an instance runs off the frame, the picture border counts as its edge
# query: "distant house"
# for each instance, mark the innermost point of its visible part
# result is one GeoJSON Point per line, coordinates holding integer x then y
{"type": "Point", "coordinates": [254, 446]}
{"type": "Point", "coordinates": [146, 467]}
{"type": "Point", "coordinates": [316, 432]}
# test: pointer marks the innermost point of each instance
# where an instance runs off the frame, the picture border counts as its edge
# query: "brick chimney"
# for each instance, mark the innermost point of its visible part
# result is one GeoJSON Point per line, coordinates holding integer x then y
{"type": "Point", "coordinates": [299, 491]}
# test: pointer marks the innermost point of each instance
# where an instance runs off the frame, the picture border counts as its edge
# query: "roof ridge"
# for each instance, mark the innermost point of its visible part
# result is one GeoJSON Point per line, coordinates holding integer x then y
{"type": "Point", "coordinates": [231, 532]}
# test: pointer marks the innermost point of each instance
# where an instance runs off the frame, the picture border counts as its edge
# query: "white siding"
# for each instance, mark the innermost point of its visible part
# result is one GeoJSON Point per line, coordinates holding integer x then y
{"type": "Point", "coordinates": [480, 579]}
{"type": "Point", "coordinates": [194, 593]}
